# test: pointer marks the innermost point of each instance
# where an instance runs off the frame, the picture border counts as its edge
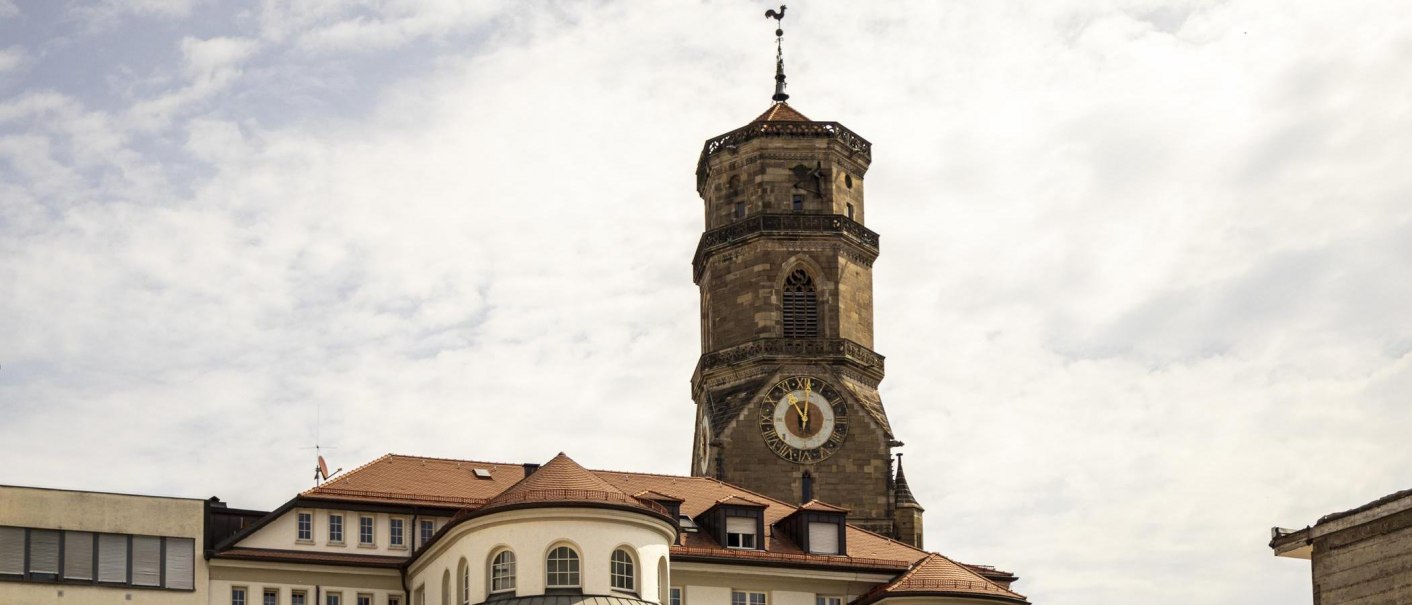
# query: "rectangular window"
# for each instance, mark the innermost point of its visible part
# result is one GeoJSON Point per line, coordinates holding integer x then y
{"type": "Point", "coordinates": [335, 529]}
{"type": "Point", "coordinates": [44, 552]}
{"type": "Point", "coordinates": [365, 599]}
{"type": "Point", "coordinates": [394, 533]}
{"type": "Point", "coordinates": [823, 600]}
{"type": "Point", "coordinates": [675, 598]}
{"type": "Point", "coordinates": [797, 203]}
{"type": "Point", "coordinates": [428, 528]}
{"type": "Point", "coordinates": [78, 555]}
{"type": "Point", "coordinates": [12, 551]}
{"type": "Point", "coordinates": [298, 598]}
{"type": "Point", "coordinates": [747, 598]}
{"type": "Point", "coordinates": [740, 532]}
{"type": "Point", "coordinates": [146, 561]}
{"type": "Point", "coordinates": [237, 596]}
{"type": "Point", "coordinates": [740, 210]}
{"type": "Point", "coordinates": [181, 563]}
{"type": "Point", "coordinates": [850, 212]}
{"type": "Point", "coordinates": [112, 558]}
{"type": "Point", "coordinates": [394, 600]}
{"type": "Point", "coordinates": [365, 531]}
{"type": "Point", "coordinates": [305, 522]}
{"type": "Point", "coordinates": [823, 538]}
{"type": "Point", "coordinates": [333, 598]}
{"type": "Point", "coordinates": [271, 596]}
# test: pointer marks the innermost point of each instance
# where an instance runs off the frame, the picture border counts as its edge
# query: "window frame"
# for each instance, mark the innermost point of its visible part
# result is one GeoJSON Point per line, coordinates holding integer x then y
{"type": "Point", "coordinates": [575, 561]}
{"type": "Point", "coordinates": [266, 594]}
{"type": "Point", "coordinates": [367, 527]}
{"type": "Point", "coordinates": [423, 532]}
{"type": "Point", "coordinates": [300, 516]}
{"type": "Point", "coordinates": [827, 599]}
{"type": "Point", "coordinates": [338, 526]}
{"type": "Point", "coordinates": [244, 594]}
{"type": "Point", "coordinates": [511, 565]}
{"type": "Point", "coordinates": [748, 597]}
{"type": "Point", "coordinates": [754, 534]}
{"type": "Point", "coordinates": [300, 594]}
{"type": "Point", "coordinates": [400, 541]}
{"type": "Point", "coordinates": [676, 595]}
{"type": "Point", "coordinates": [630, 571]}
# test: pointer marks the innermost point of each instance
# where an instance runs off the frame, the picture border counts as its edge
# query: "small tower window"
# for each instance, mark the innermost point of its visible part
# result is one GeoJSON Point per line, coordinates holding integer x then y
{"type": "Point", "coordinates": [798, 203]}
{"type": "Point", "coordinates": [740, 210]}
{"type": "Point", "coordinates": [850, 211]}
{"type": "Point", "coordinates": [801, 306]}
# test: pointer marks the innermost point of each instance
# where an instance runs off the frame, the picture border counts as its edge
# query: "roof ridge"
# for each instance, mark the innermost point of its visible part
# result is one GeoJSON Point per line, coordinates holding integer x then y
{"type": "Point", "coordinates": [973, 572]}
{"type": "Point", "coordinates": [346, 475]}
{"type": "Point", "coordinates": [439, 458]}
{"type": "Point", "coordinates": [897, 542]}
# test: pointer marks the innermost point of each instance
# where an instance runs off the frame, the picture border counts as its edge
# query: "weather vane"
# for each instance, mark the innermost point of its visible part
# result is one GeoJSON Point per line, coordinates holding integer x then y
{"type": "Point", "coordinates": [780, 96]}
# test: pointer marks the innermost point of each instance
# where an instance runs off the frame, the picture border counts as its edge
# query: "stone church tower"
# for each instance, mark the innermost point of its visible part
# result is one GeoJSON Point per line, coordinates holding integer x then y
{"type": "Point", "coordinates": [787, 385]}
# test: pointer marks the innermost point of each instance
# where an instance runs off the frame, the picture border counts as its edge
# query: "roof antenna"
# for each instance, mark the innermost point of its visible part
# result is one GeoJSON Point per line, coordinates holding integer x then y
{"type": "Point", "coordinates": [780, 96]}
{"type": "Point", "coordinates": [321, 473]}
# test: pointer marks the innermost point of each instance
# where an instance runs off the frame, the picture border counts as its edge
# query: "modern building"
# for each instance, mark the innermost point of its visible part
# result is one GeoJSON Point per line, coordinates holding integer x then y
{"type": "Point", "coordinates": [71, 547]}
{"type": "Point", "coordinates": [1361, 556]}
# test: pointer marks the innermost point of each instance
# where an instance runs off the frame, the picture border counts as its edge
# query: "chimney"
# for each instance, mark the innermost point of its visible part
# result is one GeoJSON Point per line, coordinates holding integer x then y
{"type": "Point", "coordinates": [530, 468]}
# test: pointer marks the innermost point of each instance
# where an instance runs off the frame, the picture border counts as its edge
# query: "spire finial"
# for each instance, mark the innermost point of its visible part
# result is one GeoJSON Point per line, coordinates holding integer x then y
{"type": "Point", "coordinates": [780, 96]}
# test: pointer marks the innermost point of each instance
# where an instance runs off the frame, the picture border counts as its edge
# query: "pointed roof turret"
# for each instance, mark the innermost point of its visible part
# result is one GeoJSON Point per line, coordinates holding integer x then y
{"type": "Point", "coordinates": [902, 492]}
{"type": "Point", "coordinates": [781, 112]}
{"type": "Point", "coordinates": [563, 482]}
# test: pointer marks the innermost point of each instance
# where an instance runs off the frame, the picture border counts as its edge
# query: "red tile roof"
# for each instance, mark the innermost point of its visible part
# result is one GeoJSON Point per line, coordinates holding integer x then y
{"type": "Point", "coordinates": [781, 112]}
{"type": "Point", "coordinates": [938, 575]}
{"type": "Point", "coordinates": [399, 479]}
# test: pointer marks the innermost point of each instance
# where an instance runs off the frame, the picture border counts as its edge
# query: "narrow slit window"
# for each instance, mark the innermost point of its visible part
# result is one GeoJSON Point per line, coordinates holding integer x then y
{"type": "Point", "coordinates": [797, 204]}
{"type": "Point", "coordinates": [801, 306]}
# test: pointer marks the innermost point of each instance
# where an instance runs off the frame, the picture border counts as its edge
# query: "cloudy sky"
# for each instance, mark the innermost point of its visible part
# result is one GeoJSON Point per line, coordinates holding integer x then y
{"type": "Point", "coordinates": [1144, 289]}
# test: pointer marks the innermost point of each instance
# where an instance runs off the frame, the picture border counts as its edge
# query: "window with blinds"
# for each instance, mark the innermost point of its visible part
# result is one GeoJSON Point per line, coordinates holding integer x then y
{"type": "Point", "coordinates": [800, 306]}
{"type": "Point", "coordinates": [12, 551]}
{"type": "Point", "coordinates": [740, 532]}
{"type": "Point", "coordinates": [78, 555]}
{"type": "Point", "coordinates": [112, 558]}
{"type": "Point", "coordinates": [180, 565]}
{"type": "Point", "coordinates": [44, 552]}
{"type": "Point", "coordinates": [823, 538]}
{"type": "Point", "coordinates": [146, 561]}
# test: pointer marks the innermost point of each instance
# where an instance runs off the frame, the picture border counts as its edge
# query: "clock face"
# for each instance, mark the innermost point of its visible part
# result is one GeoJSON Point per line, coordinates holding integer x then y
{"type": "Point", "coordinates": [703, 445]}
{"type": "Point", "coordinates": [803, 419]}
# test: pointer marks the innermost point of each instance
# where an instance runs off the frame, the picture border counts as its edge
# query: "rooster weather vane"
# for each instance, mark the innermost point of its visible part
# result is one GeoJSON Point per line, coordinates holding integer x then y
{"type": "Point", "coordinates": [780, 96]}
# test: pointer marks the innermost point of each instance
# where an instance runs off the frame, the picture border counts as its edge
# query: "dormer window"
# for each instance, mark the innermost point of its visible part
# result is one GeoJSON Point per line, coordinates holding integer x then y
{"type": "Point", "coordinates": [740, 532]}
{"type": "Point", "coordinates": [823, 537]}
{"type": "Point", "coordinates": [816, 527]}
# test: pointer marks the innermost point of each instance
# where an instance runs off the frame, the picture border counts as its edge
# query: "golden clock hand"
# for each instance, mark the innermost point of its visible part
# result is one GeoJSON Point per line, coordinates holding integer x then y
{"type": "Point", "coordinates": [794, 403]}
{"type": "Point", "coordinates": [808, 390]}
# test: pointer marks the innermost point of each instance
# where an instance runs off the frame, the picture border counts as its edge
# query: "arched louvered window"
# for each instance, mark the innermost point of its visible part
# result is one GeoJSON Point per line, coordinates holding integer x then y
{"type": "Point", "coordinates": [801, 306]}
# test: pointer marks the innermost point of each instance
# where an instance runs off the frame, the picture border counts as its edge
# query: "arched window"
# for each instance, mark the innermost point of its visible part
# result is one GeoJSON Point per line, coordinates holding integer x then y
{"type": "Point", "coordinates": [562, 568]}
{"type": "Point", "coordinates": [502, 572]}
{"type": "Point", "coordinates": [801, 306]}
{"type": "Point", "coordinates": [446, 587]}
{"type": "Point", "coordinates": [465, 583]}
{"type": "Point", "coordinates": [620, 572]}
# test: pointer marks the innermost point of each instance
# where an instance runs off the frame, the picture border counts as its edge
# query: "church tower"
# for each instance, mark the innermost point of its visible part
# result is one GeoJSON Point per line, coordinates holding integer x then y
{"type": "Point", "coordinates": [787, 385]}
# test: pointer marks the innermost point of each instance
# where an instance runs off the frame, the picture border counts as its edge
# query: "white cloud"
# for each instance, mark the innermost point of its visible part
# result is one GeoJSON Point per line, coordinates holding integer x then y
{"type": "Point", "coordinates": [1138, 286]}
{"type": "Point", "coordinates": [8, 9]}
{"type": "Point", "coordinates": [211, 65]}
{"type": "Point", "coordinates": [11, 58]}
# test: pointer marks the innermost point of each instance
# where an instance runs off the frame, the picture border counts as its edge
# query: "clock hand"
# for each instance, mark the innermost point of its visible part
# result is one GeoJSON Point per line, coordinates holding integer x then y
{"type": "Point", "coordinates": [794, 403]}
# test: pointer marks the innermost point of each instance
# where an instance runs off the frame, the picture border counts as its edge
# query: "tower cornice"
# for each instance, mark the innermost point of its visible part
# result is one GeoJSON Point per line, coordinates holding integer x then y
{"type": "Point", "coordinates": [784, 224]}
{"type": "Point", "coordinates": [778, 129]}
